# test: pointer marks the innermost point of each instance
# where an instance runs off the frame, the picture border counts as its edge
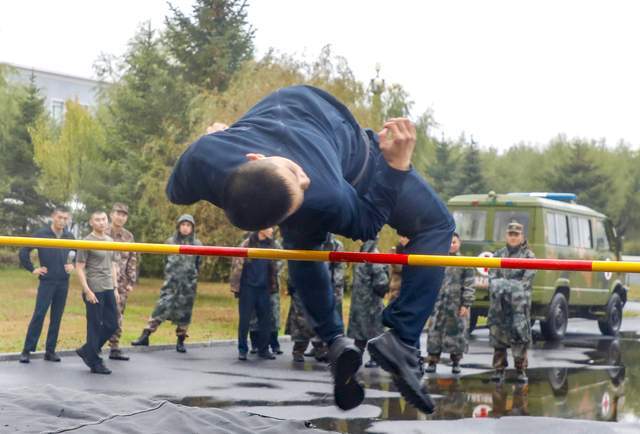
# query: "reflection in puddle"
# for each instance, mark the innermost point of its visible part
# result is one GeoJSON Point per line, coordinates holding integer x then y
{"type": "Point", "coordinates": [593, 389]}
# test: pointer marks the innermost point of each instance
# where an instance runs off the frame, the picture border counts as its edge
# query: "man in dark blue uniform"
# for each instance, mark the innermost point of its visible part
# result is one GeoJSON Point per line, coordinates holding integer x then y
{"type": "Point", "coordinates": [300, 160]}
{"type": "Point", "coordinates": [53, 273]}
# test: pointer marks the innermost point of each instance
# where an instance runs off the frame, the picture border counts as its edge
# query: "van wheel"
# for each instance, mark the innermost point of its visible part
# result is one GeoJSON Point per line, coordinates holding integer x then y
{"type": "Point", "coordinates": [473, 321]}
{"type": "Point", "coordinates": [610, 326]}
{"type": "Point", "coordinates": [554, 326]}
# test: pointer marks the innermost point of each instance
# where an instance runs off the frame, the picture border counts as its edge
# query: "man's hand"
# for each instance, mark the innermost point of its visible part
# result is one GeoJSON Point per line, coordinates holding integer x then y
{"type": "Point", "coordinates": [129, 288]}
{"type": "Point", "coordinates": [397, 142]}
{"type": "Point", "coordinates": [68, 268]}
{"type": "Point", "coordinates": [40, 271]}
{"type": "Point", "coordinates": [463, 312]}
{"type": "Point", "coordinates": [90, 296]}
{"type": "Point", "coordinates": [216, 126]}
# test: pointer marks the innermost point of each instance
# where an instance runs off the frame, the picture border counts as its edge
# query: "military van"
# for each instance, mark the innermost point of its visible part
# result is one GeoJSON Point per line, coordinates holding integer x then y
{"type": "Point", "coordinates": [555, 227]}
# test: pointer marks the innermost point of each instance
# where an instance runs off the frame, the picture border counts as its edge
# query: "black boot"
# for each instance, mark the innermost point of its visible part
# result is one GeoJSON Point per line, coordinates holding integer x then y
{"type": "Point", "coordinates": [298, 351]}
{"type": "Point", "coordinates": [401, 361]}
{"type": "Point", "coordinates": [180, 345]}
{"type": "Point", "coordinates": [253, 337]}
{"type": "Point", "coordinates": [345, 360]}
{"type": "Point", "coordinates": [143, 340]}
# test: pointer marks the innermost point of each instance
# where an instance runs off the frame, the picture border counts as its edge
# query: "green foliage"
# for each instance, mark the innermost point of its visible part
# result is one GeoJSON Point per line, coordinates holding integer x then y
{"type": "Point", "coordinates": [211, 45]}
{"type": "Point", "coordinates": [470, 174]}
{"type": "Point", "coordinates": [23, 204]}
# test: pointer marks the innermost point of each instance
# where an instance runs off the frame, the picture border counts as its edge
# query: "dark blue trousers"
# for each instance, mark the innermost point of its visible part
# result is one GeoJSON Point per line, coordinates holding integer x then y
{"type": "Point", "coordinates": [50, 294]}
{"type": "Point", "coordinates": [254, 299]}
{"type": "Point", "coordinates": [419, 215]}
{"type": "Point", "coordinates": [102, 322]}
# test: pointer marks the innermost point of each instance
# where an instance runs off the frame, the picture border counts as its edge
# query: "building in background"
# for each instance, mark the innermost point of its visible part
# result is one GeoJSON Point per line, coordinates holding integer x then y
{"type": "Point", "coordinates": [56, 87]}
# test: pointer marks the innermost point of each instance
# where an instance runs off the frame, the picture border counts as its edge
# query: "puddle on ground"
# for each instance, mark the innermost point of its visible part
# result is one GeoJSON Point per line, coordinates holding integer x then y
{"type": "Point", "coordinates": [605, 386]}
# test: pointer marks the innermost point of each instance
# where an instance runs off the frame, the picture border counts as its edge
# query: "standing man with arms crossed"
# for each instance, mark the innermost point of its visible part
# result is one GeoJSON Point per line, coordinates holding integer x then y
{"type": "Point", "coordinates": [127, 272]}
{"type": "Point", "coordinates": [53, 274]}
{"type": "Point", "coordinates": [300, 160]}
{"type": "Point", "coordinates": [98, 275]}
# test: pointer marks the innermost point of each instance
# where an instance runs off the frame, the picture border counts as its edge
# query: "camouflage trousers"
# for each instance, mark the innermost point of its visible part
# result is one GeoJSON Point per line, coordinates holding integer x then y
{"type": "Point", "coordinates": [114, 341]}
{"type": "Point", "coordinates": [520, 358]}
{"type": "Point", "coordinates": [154, 323]}
{"type": "Point", "coordinates": [447, 332]}
{"type": "Point", "coordinates": [274, 300]}
{"type": "Point", "coordinates": [298, 326]}
{"type": "Point", "coordinates": [509, 317]}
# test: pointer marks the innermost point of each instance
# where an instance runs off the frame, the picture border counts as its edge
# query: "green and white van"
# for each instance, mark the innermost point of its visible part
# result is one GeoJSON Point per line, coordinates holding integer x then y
{"type": "Point", "coordinates": [555, 227]}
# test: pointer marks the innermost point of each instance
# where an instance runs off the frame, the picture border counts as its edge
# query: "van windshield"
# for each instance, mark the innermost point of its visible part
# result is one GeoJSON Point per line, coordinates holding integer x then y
{"type": "Point", "coordinates": [503, 218]}
{"type": "Point", "coordinates": [471, 224]}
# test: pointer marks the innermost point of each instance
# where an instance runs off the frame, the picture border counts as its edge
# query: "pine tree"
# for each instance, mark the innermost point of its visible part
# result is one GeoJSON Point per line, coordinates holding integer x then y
{"type": "Point", "coordinates": [470, 179]}
{"type": "Point", "coordinates": [443, 170]}
{"type": "Point", "coordinates": [22, 204]}
{"type": "Point", "coordinates": [211, 46]}
{"type": "Point", "coordinates": [579, 173]}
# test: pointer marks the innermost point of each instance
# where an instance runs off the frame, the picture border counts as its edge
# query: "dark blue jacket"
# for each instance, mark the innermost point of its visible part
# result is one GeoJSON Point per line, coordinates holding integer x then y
{"type": "Point", "coordinates": [353, 190]}
{"type": "Point", "coordinates": [53, 259]}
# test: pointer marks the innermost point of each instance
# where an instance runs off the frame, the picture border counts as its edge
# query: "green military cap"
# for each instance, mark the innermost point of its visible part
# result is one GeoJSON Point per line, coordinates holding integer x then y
{"type": "Point", "coordinates": [515, 227]}
{"type": "Point", "coordinates": [119, 206]}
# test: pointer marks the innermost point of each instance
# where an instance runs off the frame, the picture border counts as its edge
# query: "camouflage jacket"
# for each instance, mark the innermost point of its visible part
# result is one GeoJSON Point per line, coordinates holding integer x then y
{"type": "Point", "coordinates": [237, 264]}
{"type": "Point", "coordinates": [395, 278]}
{"type": "Point", "coordinates": [525, 277]}
{"type": "Point", "coordinates": [336, 269]}
{"type": "Point", "coordinates": [457, 288]}
{"type": "Point", "coordinates": [127, 264]}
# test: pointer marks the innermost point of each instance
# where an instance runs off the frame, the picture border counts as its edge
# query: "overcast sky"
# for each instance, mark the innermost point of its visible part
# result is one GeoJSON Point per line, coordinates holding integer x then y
{"type": "Point", "coordinates": [502, 71]}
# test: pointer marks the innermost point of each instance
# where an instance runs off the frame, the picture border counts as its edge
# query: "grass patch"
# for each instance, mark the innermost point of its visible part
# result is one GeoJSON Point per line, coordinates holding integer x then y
{"type": "Point", "coordinates": [215, 314]}
{"type": "Point", "coordinates": [634, 293]}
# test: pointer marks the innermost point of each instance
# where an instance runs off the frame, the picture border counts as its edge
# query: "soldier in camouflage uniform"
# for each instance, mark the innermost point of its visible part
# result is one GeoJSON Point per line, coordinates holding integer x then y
{"type": "Point", "coordinates": [509, 317]}
{"type": "Point", "coordinates": [127, 272]}
{"type": "Point", "coordinates": [297, 325]}
{"type": "Point", "coordinates": [178, 293]}
{"type": "Point", "coordinates": [370, 285]}
{"type": "Point", "coordinates": [395, 279]}
{"type": "Point", "coordinates": [449, 322]}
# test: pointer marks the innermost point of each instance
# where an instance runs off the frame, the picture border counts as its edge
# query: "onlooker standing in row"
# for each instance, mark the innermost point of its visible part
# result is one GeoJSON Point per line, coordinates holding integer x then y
{"type": "Point", "coordinates": [395, 280]}
{"type": "Point", "coordinates": [98, 275]}
{"type": "Point", "coordinates": [509, 317]}
{"type": "Point", "coordinates": [449, 322]}
{"type": "Point", "coordinates": [253, 281]}
{"type": "Point", "coordinates": [178, 293]}
{"type": "Point", "coordinates": [53, 274]}
{"type": "Point", "coordinates": [127, 272]}
{"type": "Point", "coordinates": [370, 284]}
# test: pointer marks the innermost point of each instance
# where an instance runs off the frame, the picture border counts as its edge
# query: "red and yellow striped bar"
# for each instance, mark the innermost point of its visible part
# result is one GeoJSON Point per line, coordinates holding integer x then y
{"type": "Point", "coordinates": [313, 255]}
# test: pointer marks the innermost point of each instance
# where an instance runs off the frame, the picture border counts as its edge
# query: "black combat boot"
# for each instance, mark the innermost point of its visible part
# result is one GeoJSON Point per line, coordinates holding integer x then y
{"type": "Point", "coordinates": [143, 340]}
{"type": "Point", "coordinates": [402, 362]}
{"type": "Point", "coordinates": [180, 345]}
{"type": "Point", "coordinates": [345, 359]}
{"type": "Point", "coordinates": [298, 351]}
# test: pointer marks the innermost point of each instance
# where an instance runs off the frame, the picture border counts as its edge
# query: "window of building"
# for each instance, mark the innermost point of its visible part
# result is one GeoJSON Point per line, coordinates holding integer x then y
{"type": "Point", "coordinates": [57, 110]}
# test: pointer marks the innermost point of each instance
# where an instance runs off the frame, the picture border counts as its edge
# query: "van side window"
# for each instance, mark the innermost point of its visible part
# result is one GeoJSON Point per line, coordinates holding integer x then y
{"type": "Point", "coordinates": [585, 233]}
{"type": "Point", "coordinates": [502, 219]}
{"type": "Point", "coordinates": [600, 235]}
{"type": "Point", "coordinates": [580, 229]}
{"type": "Point", "coordinates": [557, 229]}
{"type": "Point", "coordinates": [471, 225]}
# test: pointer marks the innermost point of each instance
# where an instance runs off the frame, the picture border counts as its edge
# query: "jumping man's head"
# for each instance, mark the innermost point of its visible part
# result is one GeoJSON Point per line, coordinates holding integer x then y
{"type": "Point", "coordinates": [264, 191]}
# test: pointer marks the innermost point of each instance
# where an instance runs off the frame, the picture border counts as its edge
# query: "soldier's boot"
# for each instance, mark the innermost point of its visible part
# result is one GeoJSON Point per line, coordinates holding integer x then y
{"type": "Point", "coordinates": [298, 351]}
{"type": "Point", "coordinates": [143, 340]}
{"type": "Point", "coordinates": [321, 351]}
{"type": "Point", "coordinates": [432, 362]}
{"type": "Point", "coordinates": [455, 363]}
{"type": "Point", "coordinates": [180, 344]}
{"type": "Point", "coordinates": [521, 373]}
{"type": "Point", "coordinates": [253, 337]}
{"type": "Point", "coordinates": [361, 344]}
{"type": "Point", "coordinates": [499, 364]}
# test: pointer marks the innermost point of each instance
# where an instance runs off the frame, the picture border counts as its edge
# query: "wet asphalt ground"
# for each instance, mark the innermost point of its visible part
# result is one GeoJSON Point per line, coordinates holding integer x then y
{"type": "Point", "coordinates": [587, 377]}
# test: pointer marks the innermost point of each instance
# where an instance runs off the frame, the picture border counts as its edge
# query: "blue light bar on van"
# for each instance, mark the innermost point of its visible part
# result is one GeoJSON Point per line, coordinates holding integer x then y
{"type": "Point", "coordinates": [564, 197]}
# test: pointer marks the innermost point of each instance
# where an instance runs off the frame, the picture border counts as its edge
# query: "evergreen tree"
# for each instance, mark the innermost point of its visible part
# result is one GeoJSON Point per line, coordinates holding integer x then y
{"type": "Point", "coordinates": [469, 178]}
{"type": "Point", "coordinates": [210, 46]}
{"type": "Point", "coordinates": [579, 173]}
{"type": "Point", "coordinates": [22, 204]}
{"type": "Point", "coordinates": [443, 171]}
